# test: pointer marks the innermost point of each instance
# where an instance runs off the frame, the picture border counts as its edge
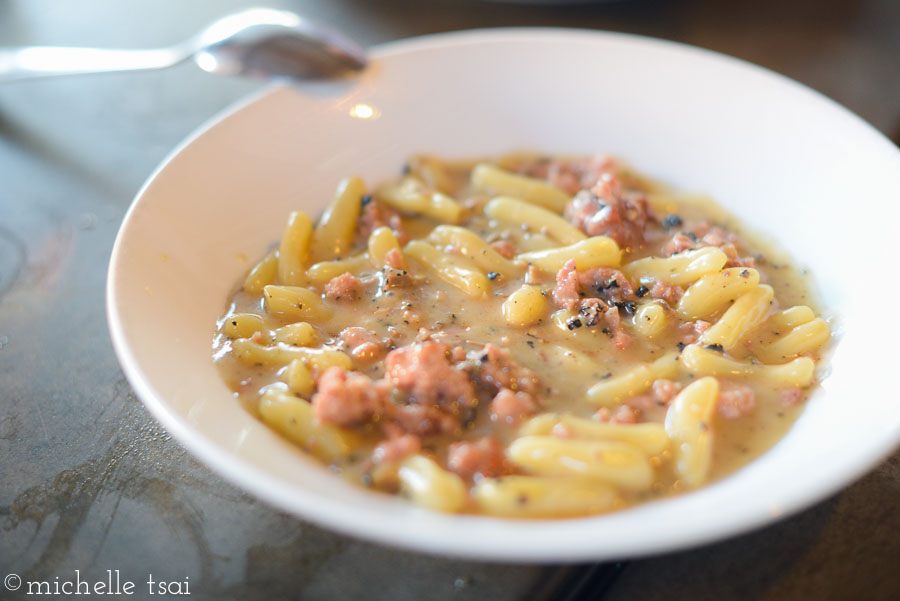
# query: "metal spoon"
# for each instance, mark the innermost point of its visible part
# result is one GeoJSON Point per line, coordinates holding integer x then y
{"type": "Point", "coordinates": [258, 42]}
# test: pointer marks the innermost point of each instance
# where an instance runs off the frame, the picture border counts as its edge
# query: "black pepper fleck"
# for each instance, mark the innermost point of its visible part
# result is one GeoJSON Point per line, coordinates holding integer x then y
{"type": "Point", "coordinates": [493, 275]}
{"type": "Point", "coordinates": [715, 347]}
{"type": "Point", "coordinates": [642, 291]}
{"type": "Point", "coordinates": [628, 306]}
{"type": "Point", "coordinates": [672, 221]}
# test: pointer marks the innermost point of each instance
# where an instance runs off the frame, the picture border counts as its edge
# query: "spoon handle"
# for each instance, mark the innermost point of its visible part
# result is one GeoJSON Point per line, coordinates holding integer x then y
{"type": "Point", "coordinates": [45, 61]}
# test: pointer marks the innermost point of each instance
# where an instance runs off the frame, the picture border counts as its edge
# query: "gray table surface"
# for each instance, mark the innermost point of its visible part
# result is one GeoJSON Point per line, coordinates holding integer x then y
{"type": "Point", "coordinates": [89, 482]}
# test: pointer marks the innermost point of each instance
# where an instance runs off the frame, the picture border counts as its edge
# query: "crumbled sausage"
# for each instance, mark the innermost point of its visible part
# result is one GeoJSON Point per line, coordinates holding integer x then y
{"type": "Point", "coordinates": [666, 292]}
{"type": "Point", "coordinates": [423, 370]}
{"type": "Point", "coordinates": [363, 344]}
{"type": "Point", "coordinates": [397, 278]}
{"type": "Point", "coordinates": [345, 287]}
{"type": "Point", "coordinates": [505, 248]}
{"type": "Point", "coordinates": [571, 174]}
{"type": "Point", "coordinates": [623, 414]}
{"type": "Point", "coordinates": [703, 234]}
{"type": "Point", "coordinates": [735, 400]}
{"type": "Point", "coordinates": [791, 396]}
{"type": "Point", "coordinates": [493, 368]}
{"type": "Point", "coordinates": [692, 330]}
{"type": "Point", "coordinates": [621, 338]}
{"type": "Point", "coordinates": [376, 214]}
{"type": "Point", "coordinates": [605, 283]}
{"type": "Point", "coordinates": [347, 398]}
{"type": "Point", "coordinates": [664, 390]}
{"type": "Point", "coordinates": [566, 294]}
{"type": "Point", "coordinates": [606, 290]}
{"type": "Point", "coordinates": [607, 210]}
{"type": "Point", "coordinates": [394, 258]}
{"type": "Point", "coordinates": [510, 408]}
{"type": "Point", "coordinates": [395, 449]}
{"type": "Point", "coordinates": [424, 420]}
{"type": "Point", "coordinates": [482, 456]}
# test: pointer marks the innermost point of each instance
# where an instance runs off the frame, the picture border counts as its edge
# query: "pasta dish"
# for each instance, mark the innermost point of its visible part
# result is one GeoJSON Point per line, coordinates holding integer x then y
{"type": "Point", "coordinates": [525, 336]}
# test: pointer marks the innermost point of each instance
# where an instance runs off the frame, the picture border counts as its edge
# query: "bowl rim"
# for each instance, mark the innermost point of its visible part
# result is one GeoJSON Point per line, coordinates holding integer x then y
{"type": "Point", "coordinates": [245, 475]}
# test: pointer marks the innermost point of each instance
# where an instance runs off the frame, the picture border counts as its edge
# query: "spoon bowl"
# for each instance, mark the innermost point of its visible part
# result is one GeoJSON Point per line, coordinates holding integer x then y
{"type": "Point", "coordinates": [273, 43]}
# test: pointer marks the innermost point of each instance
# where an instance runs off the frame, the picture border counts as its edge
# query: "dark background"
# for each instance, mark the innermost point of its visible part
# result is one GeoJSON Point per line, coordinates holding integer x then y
{"type": "Point", "coordinates": [89, 481]}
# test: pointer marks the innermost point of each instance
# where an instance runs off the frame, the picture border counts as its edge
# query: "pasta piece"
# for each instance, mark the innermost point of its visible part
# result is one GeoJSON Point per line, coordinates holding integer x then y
{"type": "Point", "coordinates": [565, 321]}
{"type": "Point", "coordinates": [256, 354]}
{"type": "Point", "coordinates": [598, 251]}
{"type": "Point", "coordinates": [688, 424]}
{"type": "Point", "coordinates": [243, 325]}
{"type": "Point", "coordinates": [453, 270]}
{"type": "Point", "coordinates": [563, 359]}
{"type": "Point", "coordinates": [790, 318]}
{"type": "Point", "coordinates": [536, 496]}
{"type": "Point", "coordinates": [435, 172]}
{"type": "Point", "coordinates": [320, 273]}
{"type": "Point", "coordinates": [524, 307]}
{"type": "Point", "coordinates": [492, 180]}
{"type": "Point", "coordinates": [512, 210]}
{"type": "Point", "coordinates": [650, 437]}
{"type": "Point", "coordinates": [323, 358]}
{"type": "Point", "coordinates": [298, 334]}
{"type": "Point", "coordinates": [253, 353]}
{"type": "Point", "coordinates": [475, 249]}
{"type": "Point", "coordinates": [294, 249]}
{"type": "Point", "coordinates": [535, 241]}
{"type": "Point", "coordinates": [299, 378]}
{"type": "Point", "coordinates": [381, 242]}
{"type": "Point", "coordinates": [262, 274]}
{"type": "Point", "coordinates": [680, 269]}
{"type": "Point", "coordinates": [608, 393]}
{"type": "Point", "coordinates": [746, 313]}
{"type": "Point", "coordinates": [334, 233]}
{"type": "Point", "coordinates": [295, 303]}
{"type": "Point", "coordinates": [702, 361]}
{"type": "Point", "coordinates": [430, 485]}
{"type": "Point", "coordinates": [410, 194]}
{"type": "Point", "coordinates": [804, 338]}
{"type": "Point", "coordinates": [650, 319]}
{"type": "Point", "coordinates": [510, 161]}
{"type": "Point", "coordinates": [619, 463]}
{"type": "Point", "coordinates": [294, 419]}
{"type": "Point", "coordinates": [715, 290]}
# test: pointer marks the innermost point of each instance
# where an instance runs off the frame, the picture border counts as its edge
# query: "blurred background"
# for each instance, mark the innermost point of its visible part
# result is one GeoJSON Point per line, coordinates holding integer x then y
{"type": "Point", "coordinates": [88, 481]}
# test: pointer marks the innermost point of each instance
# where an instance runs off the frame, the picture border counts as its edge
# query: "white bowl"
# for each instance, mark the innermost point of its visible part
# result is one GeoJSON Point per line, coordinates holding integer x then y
{"type": "Point", "coordinates": [785, 159]}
